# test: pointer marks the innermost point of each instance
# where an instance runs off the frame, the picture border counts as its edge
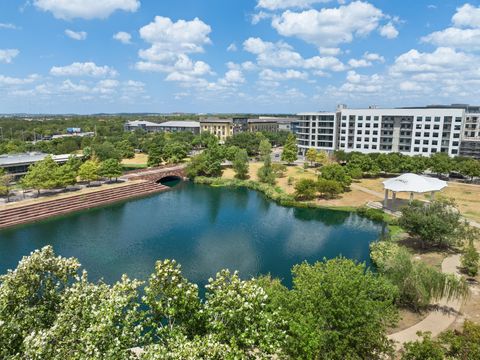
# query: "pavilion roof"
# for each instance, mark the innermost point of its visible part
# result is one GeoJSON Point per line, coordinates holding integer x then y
{"type": "Point", "coordinates": [414, 183]}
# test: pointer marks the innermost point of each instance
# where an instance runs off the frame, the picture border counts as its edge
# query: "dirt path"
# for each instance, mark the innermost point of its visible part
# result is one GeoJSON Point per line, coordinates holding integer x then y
{"type": "Point", "coordinates": [438, 320]}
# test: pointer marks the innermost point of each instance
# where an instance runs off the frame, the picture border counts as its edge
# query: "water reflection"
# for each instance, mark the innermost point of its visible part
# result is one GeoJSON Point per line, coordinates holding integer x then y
{"type": "Point", "coordinates": [203, 228]}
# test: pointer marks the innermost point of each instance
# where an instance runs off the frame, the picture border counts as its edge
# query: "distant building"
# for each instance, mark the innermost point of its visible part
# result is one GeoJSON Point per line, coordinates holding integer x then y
{"type": "Point", "coordinates": [18, 164]}
{"type": "Point", "coordinates": [470, 144]}
{"type": "Point", "coordinates": [73, 134]}
{"type": "Point", "coordinates": [224, 128]}
{"type": "Point", "coordinates": [169, 126]}
{"type": "Point", "coordinates": [221, 128]}
{"type": "Point", "coordinates": [288, 124]}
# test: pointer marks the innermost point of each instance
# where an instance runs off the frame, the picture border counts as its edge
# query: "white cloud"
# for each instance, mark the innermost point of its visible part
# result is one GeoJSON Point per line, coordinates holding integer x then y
{"type": "Point", "coordinates": [330, 27]}
{"type": "Point", "coordinates": [7, 80]}
{"type": "Point", "coordinates": [366, 60]}
{"type": "Point", "coordinates": [389, 31]}
{"type": "Point", "coordinates": [169, 37]}
{"type": "Point", "coordinates": [465, 34]}
{"type": "Point", "coordinates": [281, 54]}
{"type": "Point", "coordinates": [8, 26]}
{"type": "Point", "coordinates": [262, 15]}
{"type": "Point", "coordinates": [442, 60]}
{"type": "Point", "coordinates": [123, 37]}
{"type": "Point", "coordinates": [7, 55]}
{"type": "Point", "coordinates": [232, 47]}
{"type": "Point", "coordinates": [373, 57]}
{"type": "Point", "coordinates": [329, 51]}
{"type": "Point", "coordinates": [468, 16]}
{"type": "Point", "coordinates": [284, 4]}
{"type": "Point", "coordinates": [171, 42]}
{"type": "Point", "coordinates": [85, 9]}
{"type": "Point", "coordinates": [290, 74]}
{"type": "Point", "coordinates": [83, 69]}
{"type": "Point", "coordinates": [410, 86]}
{"type": "Point", "coordinates": [76, 35]}
{"type": "Point", "coordinates": [468, 39]}
{"type": "Point", "coordinates": [358, 63]}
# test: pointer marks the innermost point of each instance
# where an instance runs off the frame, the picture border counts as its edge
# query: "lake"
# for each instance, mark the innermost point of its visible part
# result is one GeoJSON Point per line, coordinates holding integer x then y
{"type": "Point", "coordinates": [204, 228]}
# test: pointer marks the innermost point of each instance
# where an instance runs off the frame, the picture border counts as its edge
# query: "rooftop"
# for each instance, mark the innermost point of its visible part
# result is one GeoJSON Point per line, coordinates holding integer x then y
{"type": "Point", "coordinates": [185, 124]}
{"type": "Point", "coordinates": [29, 158]}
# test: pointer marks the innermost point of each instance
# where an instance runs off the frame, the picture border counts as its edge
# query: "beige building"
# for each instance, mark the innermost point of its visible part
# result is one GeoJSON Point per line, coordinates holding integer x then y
{"type": "Point", "coordinates": [221, 128]}
{"type": "Point", "coordinates": [256, 125]}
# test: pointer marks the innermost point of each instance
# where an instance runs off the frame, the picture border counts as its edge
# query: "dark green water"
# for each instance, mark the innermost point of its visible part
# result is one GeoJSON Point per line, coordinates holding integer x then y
{"type": "Point", "coordinates": [203, 228]}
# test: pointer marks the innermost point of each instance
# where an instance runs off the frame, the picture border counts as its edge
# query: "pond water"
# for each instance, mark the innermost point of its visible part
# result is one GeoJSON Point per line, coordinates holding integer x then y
{"type": "Point", "coordinates": [204, 228]}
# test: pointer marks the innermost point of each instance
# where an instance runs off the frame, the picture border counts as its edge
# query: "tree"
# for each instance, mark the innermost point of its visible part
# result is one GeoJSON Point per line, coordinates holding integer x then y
{"type": "Point", "coordinates": [238, 312]}
{"type": "Point", "coordinates": [463, 345]}
{"type": "Point", "coordinates": [66, 175]}
{"type": "Point", "coordinates": [436, 224]}
{"type": "Point", "coordinates": [470, 259]}
{"type": "Point", "coordinates": [208, 163]}
{"type": "Point", "coordinates": [154, 156]}
{"type": "Point", "coordinates": [106, 150]}
{"type": "Point", "coordinates": [322, 157]}
{"type": "Point", "coordinates": [418, 283]}
{"type": "Point", "coordinates": [470, 168]}
{"type": "Point", "coordinates": [245, 140]}
{"type": "Point", "coordinates": [441, 163]}
{"type": "Point", "coordinates": [110, 168]}
{"type": "Point", "coordinates": [337, 309]}
{"type": "Point", "coordinates": [171, 300]}
{"type": "Point", "coordinates": [6, 181]}
{"type": "Point", "coordinates": [240, 164]}
{"type": "Point", "coordinates": [175, 151]}
{"type": "Point", "coordinates": [94, 321]}
{"type": "Point", "coordinates": [30, 297]}
{"type": "Point", "coordinates": [336, 172]}
{"type": "Point", "coordinates": [41, 175]}
{"type": "Point", "coordinates": [426, 349]}
{"type": "Point", "coordinates": [305, 189]}
{"type": "Point", "coordinates": [89, 171]}
{"type": "Point", "coordinates": [290, 149]}
{"type": "Point", "coordinates": [329, 189]}
{"type": "Point", "coordinates": [265, 149]}
{"type": "Point", "coordinates": [265, 173]}
{"type": "Point", "coordinates": [311, 156]}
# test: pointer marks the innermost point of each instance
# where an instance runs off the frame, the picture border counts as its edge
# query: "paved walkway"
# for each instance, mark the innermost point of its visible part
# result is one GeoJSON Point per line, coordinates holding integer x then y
{"type": "Point", "coordinates": [438, 320]}
{"type": "Point", "coordinates": [368, 191]}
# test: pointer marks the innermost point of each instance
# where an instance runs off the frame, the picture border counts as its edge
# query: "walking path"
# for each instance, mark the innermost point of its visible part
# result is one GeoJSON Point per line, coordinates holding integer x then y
{"type": "Point", "coordinates": [438, 320]}
{"type": "Point", "coordinates": [368, 191]}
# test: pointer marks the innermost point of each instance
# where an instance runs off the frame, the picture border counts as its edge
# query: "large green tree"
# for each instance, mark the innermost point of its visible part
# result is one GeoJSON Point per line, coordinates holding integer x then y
{"type": "Point", "coordinates": [89, 171]}
{"type": "Point", "coordinates": [438, 224]}
{"type": "Point", "coordinates": [337, 309]}
{"type": "Point", "coordinates": [290, 149]}
{"type": "Point", "coordinates": [41, 175]}
{"type": "Point", "coordinates": [337, 173]}
{"type": "Point", "coordinates": [110, 168]}
{"type": "Point", "coordinates": [240, 164]}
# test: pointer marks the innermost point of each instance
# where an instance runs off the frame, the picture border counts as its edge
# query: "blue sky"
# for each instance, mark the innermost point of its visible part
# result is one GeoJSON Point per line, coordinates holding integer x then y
{"type": "Point", "coordinates": [261, 56]}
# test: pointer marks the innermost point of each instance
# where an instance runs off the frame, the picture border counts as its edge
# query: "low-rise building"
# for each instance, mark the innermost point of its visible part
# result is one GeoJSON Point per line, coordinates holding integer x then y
{"type": "Point", "coordinates": [263, 124]}
{"type": "Point", "coordinates": [221, 128]}
{"type": "Point", "coordinates": [168, 126]}
{"type": "Point", "coordinates": [17, 164]}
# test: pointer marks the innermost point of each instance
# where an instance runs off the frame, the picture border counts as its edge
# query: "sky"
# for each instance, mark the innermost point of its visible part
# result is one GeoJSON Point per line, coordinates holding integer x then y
{"type": "Point", "coordinates": [225, 56]}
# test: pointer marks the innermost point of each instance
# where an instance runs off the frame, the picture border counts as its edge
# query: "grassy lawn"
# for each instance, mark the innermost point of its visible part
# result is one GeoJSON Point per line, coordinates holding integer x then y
{"type": "Point", "coordinates": [466, 196]}
{"type": "Point", "coordinates": [140, 160]}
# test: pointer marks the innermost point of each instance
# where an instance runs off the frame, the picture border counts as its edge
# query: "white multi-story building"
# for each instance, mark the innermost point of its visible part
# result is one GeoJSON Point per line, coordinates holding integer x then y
{"type": "Point", "coordinates": [317, 130]}
{"type": "Point", "coordinates": [410, 131]}
{"type": "Point", "coordinates": [470, 144]}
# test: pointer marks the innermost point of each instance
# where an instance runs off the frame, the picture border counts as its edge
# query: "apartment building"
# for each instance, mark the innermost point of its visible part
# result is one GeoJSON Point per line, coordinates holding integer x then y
{"type": "Point", "coordinates": [317, 130]}
{"type": "Point", "coordinates": [470, 144]}
{"type": "Point", "coordinates": [224, 128]}
{"type": "Point", "coordinates": [410, 131]}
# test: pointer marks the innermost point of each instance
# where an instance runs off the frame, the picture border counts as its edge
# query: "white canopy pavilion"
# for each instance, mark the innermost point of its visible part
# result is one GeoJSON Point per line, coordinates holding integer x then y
{"type": "Point", "coordinates": [412, 183]}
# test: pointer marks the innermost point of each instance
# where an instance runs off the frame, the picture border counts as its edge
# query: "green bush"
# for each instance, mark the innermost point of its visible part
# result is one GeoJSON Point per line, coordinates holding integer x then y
{"type": "Point", "coordinates": [372, 214]}
{"type": "Point", "coordinates": [470, 259]}
{"type": "Point", "coordinates": [426, 349]}
{"type": "Point", "coordinates": [381, 252]}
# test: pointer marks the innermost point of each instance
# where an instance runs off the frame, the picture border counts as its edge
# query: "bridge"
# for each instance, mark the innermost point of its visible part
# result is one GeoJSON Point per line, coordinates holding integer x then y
{"type": "Point", "coordinates": [157, 174]}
